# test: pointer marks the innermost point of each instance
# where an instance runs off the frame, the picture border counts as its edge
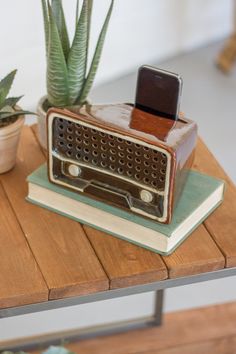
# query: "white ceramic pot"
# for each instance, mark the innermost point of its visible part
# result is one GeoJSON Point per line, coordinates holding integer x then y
{"type": "Point", "coordinates": [9, 139]}
{"type": "Point", "coordinates": [41, 117]}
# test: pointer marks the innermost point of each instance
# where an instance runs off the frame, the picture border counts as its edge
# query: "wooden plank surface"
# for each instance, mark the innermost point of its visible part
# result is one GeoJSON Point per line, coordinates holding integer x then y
{"type": "Point", "coordinates": [127, 264]}
{"type": "Point", "coordinates": [60, 246]}
{"type": "Point", "coordinates": [226, 345]}
{"type": "Point", "coordinates": [124, 263]}
{"type": "Point", "coordinates": [222, 223]}
{"type": "Point", "coordinates": [21, 281]}
{"type": "Point", "coordinates": [198, 254]}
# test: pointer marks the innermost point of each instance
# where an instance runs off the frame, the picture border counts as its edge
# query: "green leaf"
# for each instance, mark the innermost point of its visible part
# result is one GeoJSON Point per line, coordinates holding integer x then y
{"type": "Point", "coordinates": [90, 7]}
{"type": "Point", "coordinates": [46, 24]}
{"type": "Point", "coordinates": [7, 109]}
{"type": "Point", "coordinates": [11, 101]}
{"type": "Point", "coordinates": [5, 86]}
{"type": "Point", "coordinates": [57, 76]}
{"type": "Point", "coordinates": [58, 13]}
{"type": "Point", "coordinates": [4, 115]}
{"type": "Point", "coordinates": [77, 57]}
{"type": "Point", "coordinates": [96, 58]}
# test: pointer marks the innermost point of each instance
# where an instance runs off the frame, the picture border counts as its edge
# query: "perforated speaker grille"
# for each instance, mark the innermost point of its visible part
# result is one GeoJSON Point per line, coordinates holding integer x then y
{"type": "Point", "coordinates": [104, 151]}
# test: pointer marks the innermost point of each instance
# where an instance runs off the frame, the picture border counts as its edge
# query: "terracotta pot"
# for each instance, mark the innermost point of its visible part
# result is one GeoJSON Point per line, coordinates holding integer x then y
{"type": "Point", "coordinates": [9, 139]}
{"type": "Point", "coordinates": [41, 117]}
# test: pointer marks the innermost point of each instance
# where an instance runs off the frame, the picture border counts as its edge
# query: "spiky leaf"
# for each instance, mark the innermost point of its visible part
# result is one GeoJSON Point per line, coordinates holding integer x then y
{"type": "Point", "coordinates": [77, 56]}
{"type": "Point", "coordinates": [5, 86]}
{"type": "Point", "coordinates": [11, 101]}
{"type": "Point", "coordinates": [96, 58]}
{"type": "Point", "coordinates": [90, 7]}
{"type": "Point", "coordinates": [7, 109]}
{"type": "Point", "coordinates": [59, 17]}
{"type": "Point", "coordinates": [5, 115]}
{"type": "Point", "coordinates": [57, 77]}
{"type": "Point", "coordinates": [46, 23]}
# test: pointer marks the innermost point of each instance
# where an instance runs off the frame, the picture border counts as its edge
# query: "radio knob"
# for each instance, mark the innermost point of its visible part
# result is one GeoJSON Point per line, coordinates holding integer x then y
{"type": "Point", "coordinates": [146, 196]}
{"type": "Point", "coordinates": [74, 170]}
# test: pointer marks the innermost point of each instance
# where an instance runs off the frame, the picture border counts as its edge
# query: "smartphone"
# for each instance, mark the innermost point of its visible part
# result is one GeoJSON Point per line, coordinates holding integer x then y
{"type": "Point", "coordinates": [158, 92]}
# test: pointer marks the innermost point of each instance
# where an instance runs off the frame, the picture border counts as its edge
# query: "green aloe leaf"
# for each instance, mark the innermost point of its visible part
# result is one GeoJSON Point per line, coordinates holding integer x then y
{"type": "Point", "coordinates": [4, 115]}
{"type": "Point", "coordinates": [11, 101]}
{"type": "Point", "coordinates": [96, 58]}
{"type": "Point", "coordinates": [57, 76]}
{"type": "Point", "coordinates": [77, 57]}
{"type": "Point", "coordinates": [90, 7]}
{"type": "Point", "coordinates": [59, 17]}
{"type": "Point", "coordinates": [7, 109]}
{"type": "Point", "coordinates": [5, 86]}
{"type": "Point", "coordinates": [46, 23]}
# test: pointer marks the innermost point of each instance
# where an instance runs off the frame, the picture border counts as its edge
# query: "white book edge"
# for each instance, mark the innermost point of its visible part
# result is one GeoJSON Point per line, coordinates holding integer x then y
{"type": "Point", "coordinates": [121, 227]}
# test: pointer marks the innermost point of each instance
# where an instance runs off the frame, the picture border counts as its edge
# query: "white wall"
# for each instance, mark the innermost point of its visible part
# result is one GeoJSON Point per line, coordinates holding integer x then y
{"type": "Point", "coordinates": [141, 31]}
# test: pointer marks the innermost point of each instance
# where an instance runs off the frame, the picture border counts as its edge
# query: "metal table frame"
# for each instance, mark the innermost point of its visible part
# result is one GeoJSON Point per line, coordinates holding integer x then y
{"type": "Point", "coordinates": [154, 320]}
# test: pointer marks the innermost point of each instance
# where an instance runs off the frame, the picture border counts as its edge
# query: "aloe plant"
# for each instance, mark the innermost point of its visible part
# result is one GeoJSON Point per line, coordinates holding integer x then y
{"type": "Point", "coordinates": [8, 110]}
{"type": "Point", "coordinates": [69, 79]}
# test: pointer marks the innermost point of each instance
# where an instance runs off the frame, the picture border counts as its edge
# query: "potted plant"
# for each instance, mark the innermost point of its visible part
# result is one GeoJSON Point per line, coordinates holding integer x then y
{"type": "Point", "coordinates": [69, 79]}
{"type": "Point", "coordinates": [11, 121]}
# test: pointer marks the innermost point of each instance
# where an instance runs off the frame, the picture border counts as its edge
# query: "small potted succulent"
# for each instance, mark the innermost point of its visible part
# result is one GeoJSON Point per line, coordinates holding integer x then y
{"type": "Point", "coordinates": [11, 122]}
{"type": "Point", "coordinates": [69, 79]}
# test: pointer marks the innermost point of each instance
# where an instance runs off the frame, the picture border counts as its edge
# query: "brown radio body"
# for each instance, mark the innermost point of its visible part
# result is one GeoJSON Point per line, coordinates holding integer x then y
{"type": "Point", "coordinates": [122, 156]}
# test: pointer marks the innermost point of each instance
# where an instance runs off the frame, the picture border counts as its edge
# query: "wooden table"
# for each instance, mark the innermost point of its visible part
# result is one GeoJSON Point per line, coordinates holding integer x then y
{"type": "Point", "coordinates": [48, 261]}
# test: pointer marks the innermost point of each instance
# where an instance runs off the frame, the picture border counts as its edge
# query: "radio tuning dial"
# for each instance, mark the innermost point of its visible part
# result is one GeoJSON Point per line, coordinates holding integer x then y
{"type": "Point", "coordinates": [146, 196]}
{"type": "Point", "coordinates": [74, 170]}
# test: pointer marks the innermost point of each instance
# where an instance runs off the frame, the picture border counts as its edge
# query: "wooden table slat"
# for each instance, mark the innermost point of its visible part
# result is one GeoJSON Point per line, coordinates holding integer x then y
{"type": "Point", "coordinates": [60, 246]}
{"type": "Point", "coordinates": [126, 264]}
{"type": "Point", "coordinates": [222, 223]}
{"type": "Point", "coordinates": [198, 254]}
{"type": "Point", "coordinates": [20, 278]}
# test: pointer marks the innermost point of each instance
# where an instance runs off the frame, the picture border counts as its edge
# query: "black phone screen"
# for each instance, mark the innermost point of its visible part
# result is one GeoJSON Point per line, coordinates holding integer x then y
{"type": "Point", "coordinates": [158, 92]}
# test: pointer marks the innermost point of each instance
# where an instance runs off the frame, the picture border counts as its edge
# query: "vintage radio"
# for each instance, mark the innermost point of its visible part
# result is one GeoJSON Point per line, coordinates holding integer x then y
{"type": "Point", "coordinates": [122, 156]}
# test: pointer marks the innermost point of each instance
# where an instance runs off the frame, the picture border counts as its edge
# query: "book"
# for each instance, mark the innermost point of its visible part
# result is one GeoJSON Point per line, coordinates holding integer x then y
{"type": "Point", "coordinates": [201, 195]}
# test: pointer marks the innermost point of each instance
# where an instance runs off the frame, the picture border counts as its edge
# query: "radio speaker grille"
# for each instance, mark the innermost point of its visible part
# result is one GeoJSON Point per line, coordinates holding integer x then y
{"type": "Point", "coordinates": [106, 152]}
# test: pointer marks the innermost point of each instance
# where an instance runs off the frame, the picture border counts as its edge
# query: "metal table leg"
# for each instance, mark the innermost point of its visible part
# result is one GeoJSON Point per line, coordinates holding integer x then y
{"type": "Point", "coordinates": [158, 314]}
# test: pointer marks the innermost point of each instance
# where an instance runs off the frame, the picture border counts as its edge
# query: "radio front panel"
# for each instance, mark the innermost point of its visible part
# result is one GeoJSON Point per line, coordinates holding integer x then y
{"type": "Point", "coordinates": [110, 166]}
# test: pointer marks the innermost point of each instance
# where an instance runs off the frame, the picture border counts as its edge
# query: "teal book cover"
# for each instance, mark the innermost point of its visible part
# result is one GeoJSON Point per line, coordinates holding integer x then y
{"type": "Point", "coordinates": [201, 195]}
